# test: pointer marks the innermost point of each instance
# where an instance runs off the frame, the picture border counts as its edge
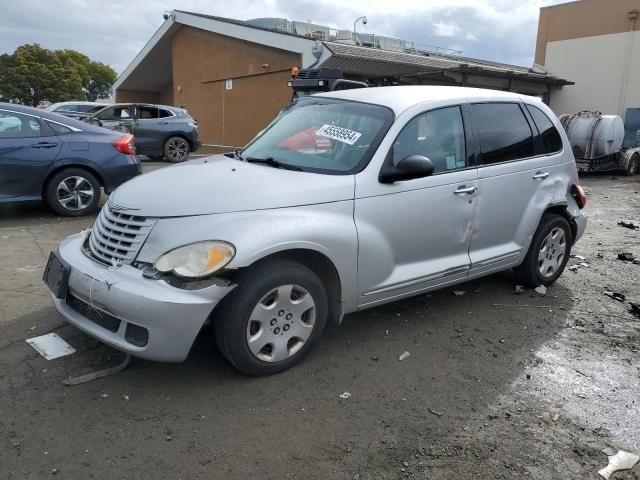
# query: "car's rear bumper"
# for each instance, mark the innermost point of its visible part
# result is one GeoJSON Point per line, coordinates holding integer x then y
{"type": "Point", "coordinates": [117, 306]}
{"type": "Point", "coordinates": [114, 176]}
{"type": "Point", "coordinates": [581, 225]}
{"type": "Point", "coordinates": [194, 141]}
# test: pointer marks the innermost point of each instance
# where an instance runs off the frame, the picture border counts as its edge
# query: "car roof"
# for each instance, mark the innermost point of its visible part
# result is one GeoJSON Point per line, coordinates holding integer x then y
{"type": "Point", "coordinates": [79, 102]}
{"type": "Point", "coordinates": [142, 104]}
{"type": "Point", "coordinates": [55, 117]}
{"type": "Point", "coordinates": [400, 98]}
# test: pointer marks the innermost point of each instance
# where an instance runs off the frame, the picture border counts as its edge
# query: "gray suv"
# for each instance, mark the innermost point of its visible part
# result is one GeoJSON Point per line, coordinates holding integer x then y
{"type": "Point", "coordinates": [346, 201]}
{"type": "Point", "coordinates": [160, 131]}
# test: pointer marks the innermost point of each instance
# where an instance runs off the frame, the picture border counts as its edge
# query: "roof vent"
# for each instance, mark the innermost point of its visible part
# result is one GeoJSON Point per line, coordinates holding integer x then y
{"type": "Point", "coordinates": [345, 36]}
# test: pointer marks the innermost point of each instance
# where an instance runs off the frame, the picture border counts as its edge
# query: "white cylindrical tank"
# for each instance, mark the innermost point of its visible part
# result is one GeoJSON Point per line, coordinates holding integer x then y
{"type": "Point", "coordinates": [592, 134]}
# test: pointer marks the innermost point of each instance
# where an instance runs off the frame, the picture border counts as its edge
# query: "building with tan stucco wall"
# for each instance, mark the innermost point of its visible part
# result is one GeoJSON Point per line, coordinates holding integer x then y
{"type": "Point", "coordinates": [596, 44]}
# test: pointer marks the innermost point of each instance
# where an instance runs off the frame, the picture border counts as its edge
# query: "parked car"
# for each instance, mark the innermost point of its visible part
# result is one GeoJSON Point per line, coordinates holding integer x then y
{"type": "Point", "coordinates": [77, 110]}
{"type": "Point", "coordinates": [160, 131]}
{"type": "Point", "coordinates": [348, 200]}
{"type": "Point", "coordinates": [65, 162]}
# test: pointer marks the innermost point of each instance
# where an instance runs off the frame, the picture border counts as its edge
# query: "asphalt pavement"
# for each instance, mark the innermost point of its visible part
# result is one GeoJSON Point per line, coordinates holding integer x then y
{"type": "Point", "coordinates": [496, 386]}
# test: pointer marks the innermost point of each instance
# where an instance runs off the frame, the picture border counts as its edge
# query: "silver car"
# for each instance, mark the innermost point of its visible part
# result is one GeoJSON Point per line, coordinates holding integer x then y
{"type": "Point", "coordinates": [347, 200]}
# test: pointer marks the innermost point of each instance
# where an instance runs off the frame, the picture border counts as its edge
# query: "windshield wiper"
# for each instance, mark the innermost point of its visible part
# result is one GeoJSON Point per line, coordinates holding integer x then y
{"type": "Point", "coordinates": [274, 163]}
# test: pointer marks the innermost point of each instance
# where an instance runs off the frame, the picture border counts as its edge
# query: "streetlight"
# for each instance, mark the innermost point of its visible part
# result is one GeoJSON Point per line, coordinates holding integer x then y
{"type": "Point", "coordinates": [364, 22]}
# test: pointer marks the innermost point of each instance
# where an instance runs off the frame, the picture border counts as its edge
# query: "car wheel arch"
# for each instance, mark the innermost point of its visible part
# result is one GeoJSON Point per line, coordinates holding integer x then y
{"type": "Point", "coordinates": [59, 168]}
{"type": "Point", "coordinates": [320, 264]}
{"type": "Point", "coordinates": [561, 209]}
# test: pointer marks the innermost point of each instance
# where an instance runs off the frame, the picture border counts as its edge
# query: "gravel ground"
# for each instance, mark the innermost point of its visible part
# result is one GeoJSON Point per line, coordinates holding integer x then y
{"type": "Point", "coordinates": [497, 385]}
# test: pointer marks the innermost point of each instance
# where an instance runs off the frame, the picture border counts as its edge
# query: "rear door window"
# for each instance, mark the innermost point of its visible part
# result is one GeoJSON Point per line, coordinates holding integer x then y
{"type": "Point", "coordinates": [145, 112]}
{"type": "Point", "coordinates": [15, 125]}
{"type": "Point", "coordinates": [164, 113]}
{"type": "Point", "coordinates": [504, 132]}
{"type": "Point", "coordinates": [550, 140]}
{"type": "Point", "coordinates": [116, 113]}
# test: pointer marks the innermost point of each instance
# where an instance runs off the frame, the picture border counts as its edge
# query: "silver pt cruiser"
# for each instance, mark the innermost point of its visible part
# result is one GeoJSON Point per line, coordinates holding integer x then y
{"type": "Point", "coordinates": [347, 200]}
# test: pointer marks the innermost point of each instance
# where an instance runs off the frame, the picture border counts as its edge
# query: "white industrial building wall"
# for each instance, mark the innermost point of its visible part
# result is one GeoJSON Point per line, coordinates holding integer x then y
{"type": "Point", "coordinates": [597, 66]}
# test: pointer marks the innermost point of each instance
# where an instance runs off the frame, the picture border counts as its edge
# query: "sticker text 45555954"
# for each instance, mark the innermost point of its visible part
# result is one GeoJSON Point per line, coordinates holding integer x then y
{"type": "Point", "coordinates": [340, 134]}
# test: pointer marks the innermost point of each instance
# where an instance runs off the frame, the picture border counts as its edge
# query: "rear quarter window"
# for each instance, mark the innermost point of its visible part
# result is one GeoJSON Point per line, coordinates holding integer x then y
{"type": "Point", "coordinates": [58, 128]}
{"type": "Point", "coordinates": [550, 139]}
{"type": "Point", "coordinates": [504, 132]}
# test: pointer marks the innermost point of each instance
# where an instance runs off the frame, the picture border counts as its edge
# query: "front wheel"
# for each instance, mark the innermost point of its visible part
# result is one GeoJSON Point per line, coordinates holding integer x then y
{"type": "Point", "coordinates": [176, 149]}
{"type": "Point", "coordinates": [548, 254]}
{"type": "Point", "coordinates": [73, 192]}
{"type": "Point", "coordinates": [270, 321]}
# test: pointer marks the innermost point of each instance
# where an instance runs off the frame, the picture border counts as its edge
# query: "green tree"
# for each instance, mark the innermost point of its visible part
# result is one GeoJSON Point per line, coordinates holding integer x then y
{"type": "Point", "coordinates": [33, 74]}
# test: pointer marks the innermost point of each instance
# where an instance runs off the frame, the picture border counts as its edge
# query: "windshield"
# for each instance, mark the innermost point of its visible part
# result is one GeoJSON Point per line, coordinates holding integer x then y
{"type": "Point", "coordinates": [323, 135]}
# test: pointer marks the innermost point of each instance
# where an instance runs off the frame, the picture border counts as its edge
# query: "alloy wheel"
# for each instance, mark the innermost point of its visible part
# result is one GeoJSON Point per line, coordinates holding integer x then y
{"type": "Point", "coordinates": [75, 193]}
{"type": "Point", "coordinates": [178, 149]}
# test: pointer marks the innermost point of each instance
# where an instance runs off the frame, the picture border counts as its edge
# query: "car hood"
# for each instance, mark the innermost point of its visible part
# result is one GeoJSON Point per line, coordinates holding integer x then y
{"type": "Point", "coordinates": [219, 184]}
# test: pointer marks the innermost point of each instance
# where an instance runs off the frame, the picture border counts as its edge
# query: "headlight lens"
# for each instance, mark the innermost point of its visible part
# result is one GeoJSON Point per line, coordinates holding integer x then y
{"type": "Point", "coordinates": [196, 260]}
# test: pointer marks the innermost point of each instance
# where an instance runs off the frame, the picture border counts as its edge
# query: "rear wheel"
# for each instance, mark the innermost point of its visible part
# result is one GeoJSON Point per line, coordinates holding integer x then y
{"type": "Point", "coordinates": [548, 253]}
{"type": "Point", "coordinates": [271, 320]}
{"type": "Point", "coordinates": [73, 192]}
{"type": "Point", "coordinates": [633, 165]}
{"type": "Point", "coordinates": [176, 149]}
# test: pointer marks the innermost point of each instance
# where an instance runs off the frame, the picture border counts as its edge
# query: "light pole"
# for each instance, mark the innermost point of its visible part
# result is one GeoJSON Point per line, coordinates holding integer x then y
{"type": "Point", "coordinates": [364, 22]}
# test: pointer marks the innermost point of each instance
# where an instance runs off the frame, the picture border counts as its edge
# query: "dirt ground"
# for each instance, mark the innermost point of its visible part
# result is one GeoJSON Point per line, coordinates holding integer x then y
{"type": "Point", "coordinates": [497, 386]}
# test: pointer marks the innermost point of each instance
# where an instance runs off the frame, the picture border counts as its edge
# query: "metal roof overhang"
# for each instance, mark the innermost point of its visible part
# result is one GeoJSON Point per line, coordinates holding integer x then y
{"type": "Point", "coordinates": [376, 63]}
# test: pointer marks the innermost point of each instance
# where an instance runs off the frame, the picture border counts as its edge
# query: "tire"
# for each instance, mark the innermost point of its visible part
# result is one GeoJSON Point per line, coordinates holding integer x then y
{"type": "Point", "coordinates": [73, 192]}
{"type": "Point", "coordinates": [555, 236]}
{"type": "Point", "coordinates": [632, 166]}
{"type": "Point", "coordinates": [256, 324]}
{"type": "Point", "coordinates": [176, 149]}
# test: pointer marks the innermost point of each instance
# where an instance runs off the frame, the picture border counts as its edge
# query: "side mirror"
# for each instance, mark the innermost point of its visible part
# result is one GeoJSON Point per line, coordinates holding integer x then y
{"type": "Point", "coordinates": [409, 168]}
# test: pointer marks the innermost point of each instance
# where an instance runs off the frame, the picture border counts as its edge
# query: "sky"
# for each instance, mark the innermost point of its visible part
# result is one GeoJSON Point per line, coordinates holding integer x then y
{"type": "Point", "coordinates": [114, 31]}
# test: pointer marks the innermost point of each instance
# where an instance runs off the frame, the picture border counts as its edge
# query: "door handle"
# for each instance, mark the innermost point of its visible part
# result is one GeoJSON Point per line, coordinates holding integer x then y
{"type": "Point", "coordinates": [44, 145]}
{"type": "Point", "coordinates": [164, 122]}
{"type": "Point", "coordinates": [540, 175]}
{"type": "Point", "coordinates": [465, 190]}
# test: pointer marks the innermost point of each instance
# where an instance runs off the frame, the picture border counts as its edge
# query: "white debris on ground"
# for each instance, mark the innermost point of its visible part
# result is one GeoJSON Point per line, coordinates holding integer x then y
{"type": "Point", "coordinates": [51, 346]}
{"type": "Point", "coordinates": [345, 395]}
{"type": "Point", "coordinates": [403, 355]}
{"type": "Point", "coordinates": [541, 290]}
{"type": "Point", "coordinates": [620, 461]}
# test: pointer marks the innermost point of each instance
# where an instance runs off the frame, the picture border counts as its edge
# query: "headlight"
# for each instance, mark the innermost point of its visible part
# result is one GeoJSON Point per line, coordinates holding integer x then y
{"type": "Point", "coordinates": [196, 260]}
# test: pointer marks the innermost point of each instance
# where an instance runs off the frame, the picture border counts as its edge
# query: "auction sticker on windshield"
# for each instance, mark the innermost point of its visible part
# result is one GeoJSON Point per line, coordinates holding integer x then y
{"type": "Point", "coordinates": [340, 134]}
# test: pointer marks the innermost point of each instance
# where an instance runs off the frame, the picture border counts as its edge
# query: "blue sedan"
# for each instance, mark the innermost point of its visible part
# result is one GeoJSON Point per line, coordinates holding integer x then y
{"type": "Point", "coordinates": [65, 162]}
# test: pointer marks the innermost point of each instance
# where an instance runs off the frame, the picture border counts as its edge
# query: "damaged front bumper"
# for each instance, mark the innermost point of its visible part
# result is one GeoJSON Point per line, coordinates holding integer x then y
{"type": "Point", "coordinates": [143, 317]}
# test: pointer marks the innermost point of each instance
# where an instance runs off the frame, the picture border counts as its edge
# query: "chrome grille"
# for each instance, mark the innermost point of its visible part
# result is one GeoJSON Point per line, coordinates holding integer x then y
{"type": "Point", "coordinates": [117, 236]}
